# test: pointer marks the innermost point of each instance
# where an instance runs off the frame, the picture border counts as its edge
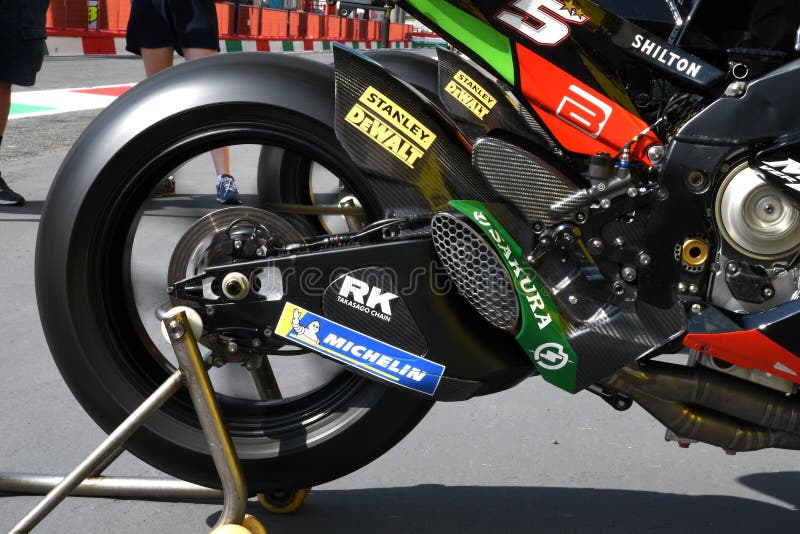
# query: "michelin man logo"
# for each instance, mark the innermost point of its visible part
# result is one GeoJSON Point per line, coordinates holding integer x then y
{"type": "Point", "coordinates": [551, 356]}
{"type": "Point", "coordinates": [309, 331]}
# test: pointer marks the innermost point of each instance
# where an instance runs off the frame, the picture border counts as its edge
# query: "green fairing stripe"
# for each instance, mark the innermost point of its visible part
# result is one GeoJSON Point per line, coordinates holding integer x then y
{"type": "Point", "coordinates": [541, 334]}
{"type": "Point", "coordinates": [484, 40]}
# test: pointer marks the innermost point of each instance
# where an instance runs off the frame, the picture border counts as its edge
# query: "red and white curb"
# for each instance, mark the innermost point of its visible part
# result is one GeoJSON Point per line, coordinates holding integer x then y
{"type": "Point", "coordinates": [52, 101]}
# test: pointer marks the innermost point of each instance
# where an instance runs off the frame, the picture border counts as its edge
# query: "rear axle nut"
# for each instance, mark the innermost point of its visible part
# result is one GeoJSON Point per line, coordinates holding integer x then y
{"type": "Point", "coordinates": [235, 286]}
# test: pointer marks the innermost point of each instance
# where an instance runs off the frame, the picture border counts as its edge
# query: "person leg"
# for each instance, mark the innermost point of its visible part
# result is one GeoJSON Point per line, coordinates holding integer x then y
{"type": "Point", "coordinates": [5, 106]}
{"type": "Point", "coordinates": [7, 196]}
{"type": "Point", "coordinates": [227, 192]}
{"type": "Point", "coordinates": [157, 59]}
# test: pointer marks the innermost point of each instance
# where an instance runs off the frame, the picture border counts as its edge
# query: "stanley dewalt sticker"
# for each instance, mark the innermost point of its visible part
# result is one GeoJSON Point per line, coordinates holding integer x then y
{"type": "Point", "coordinates": [470, 94]}
{"type": "Point", "coordinates": [390, 126]}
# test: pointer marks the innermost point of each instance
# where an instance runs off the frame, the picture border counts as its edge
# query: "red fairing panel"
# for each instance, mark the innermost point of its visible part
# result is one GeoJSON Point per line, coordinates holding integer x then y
{"type": "Point", "coordinates": [750, 349]}
{"type": "Point", "coordinates": [582, 119]}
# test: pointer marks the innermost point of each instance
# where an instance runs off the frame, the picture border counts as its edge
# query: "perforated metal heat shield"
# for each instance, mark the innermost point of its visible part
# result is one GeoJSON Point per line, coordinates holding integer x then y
{"type": "Point", "coordinates": [476, 270]}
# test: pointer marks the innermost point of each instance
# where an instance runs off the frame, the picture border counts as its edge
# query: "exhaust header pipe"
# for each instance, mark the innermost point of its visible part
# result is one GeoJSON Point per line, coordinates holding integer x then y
{"type": "Point", "coordinates": [708, 406]}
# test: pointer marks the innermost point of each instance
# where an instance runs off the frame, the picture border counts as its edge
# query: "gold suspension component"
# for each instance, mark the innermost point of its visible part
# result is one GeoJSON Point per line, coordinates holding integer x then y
{"type": "Point", "coordinates": [694, 252]}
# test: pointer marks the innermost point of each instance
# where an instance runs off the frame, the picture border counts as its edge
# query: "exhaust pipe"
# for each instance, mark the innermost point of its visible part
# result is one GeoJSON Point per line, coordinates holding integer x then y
{"type": "Point", "coordinates": [705, 405]}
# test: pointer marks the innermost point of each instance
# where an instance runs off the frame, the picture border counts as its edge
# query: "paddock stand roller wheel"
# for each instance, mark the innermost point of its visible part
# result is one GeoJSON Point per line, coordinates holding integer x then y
{"type": "Point", "coordinates": [250, 525]}
{"type": "Point", "coordinates": [283, 502]}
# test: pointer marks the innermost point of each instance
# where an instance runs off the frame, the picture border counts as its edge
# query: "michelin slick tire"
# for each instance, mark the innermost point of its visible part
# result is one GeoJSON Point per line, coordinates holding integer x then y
{"type": "Point", "coordinates": [83, 274]}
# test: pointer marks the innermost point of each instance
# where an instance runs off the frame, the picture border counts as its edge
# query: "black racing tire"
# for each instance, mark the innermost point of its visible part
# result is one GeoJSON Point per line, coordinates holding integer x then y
{"type": "Point", "coordinates": [83, 277]}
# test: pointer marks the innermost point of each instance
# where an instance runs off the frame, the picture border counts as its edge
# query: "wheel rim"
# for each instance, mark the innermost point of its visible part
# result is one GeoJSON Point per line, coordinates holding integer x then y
{"type": "Point", "coordinates": [253, 424]}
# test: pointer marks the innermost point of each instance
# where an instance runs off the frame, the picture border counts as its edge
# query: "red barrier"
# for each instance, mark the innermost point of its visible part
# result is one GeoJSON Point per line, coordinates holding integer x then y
{"type": "Point", "coordinates": [118, 14]}
{"type": "Point", "coordinates": [247, 21]}
{"type": "Point", "coordinates": [274, 23]}
{"type": "Point", "coordinates": [225, 18]}
{"type": "Point", "coordinates": [72, 17]}
{"type": "Point", "coordinates": [68, 14]}
{"type": "Point", "coordinates": [333, 28]}
{"type": "Point", "coordinates": [362, 30]}
{"type": "Point", "coordinates": [315, 28]}
{"type": "Point", "coordinates": [293, 30]}
{"type": "Point", "coordinates": [349, 27]}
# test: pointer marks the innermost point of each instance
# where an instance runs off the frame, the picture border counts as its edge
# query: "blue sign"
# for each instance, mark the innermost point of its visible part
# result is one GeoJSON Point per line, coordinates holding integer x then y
{"type": "Point", "coordinates": [358, 350]}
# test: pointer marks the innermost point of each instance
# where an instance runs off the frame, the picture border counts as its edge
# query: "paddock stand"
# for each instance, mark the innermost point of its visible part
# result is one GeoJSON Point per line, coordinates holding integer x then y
{"type": "Point", "coordinates": [85, 479]}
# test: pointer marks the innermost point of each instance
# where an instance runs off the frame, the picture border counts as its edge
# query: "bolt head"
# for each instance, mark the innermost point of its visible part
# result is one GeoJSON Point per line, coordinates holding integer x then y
{"type": "Point", "coordinates": [694, 289]}
{"type": "Point", "coordinates": [633, 192]}
{"type": "Point", "coordinates": [605, 203]}
{"type": "Point", "coordinates": [768, 292]}
{"type": "Point", "coordinates": [210, 311]}
{"type": "Point", "coordinates": [256, 342]}
{"type": "Point", "coordinates": [732, 267]}
{"type": "Point", "coordinates": [619, 241]}
{"type": "Point", "coordinates": [645, 259]}
{"type": "Point", "coordinates": [232, 346]}
{"type": "Point", "coordinates": [580, 216]}
{"type": "Point", "coordinates": [696, 308]}
{"type": "Point", "coordinates": [655, 153]}
{"type": "Point", "coordinates": [628, 274]}
{"type": "Point", "coordinates": [176, 330]}
{"type": "Point", "coordinates": [268, 331]}
{"type": "Point", "coordinates": [572, 299]}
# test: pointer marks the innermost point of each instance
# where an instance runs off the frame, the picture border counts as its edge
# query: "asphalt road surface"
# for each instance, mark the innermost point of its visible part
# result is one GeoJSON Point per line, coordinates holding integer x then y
{"type": "Point", "coordinates": [532, 459]}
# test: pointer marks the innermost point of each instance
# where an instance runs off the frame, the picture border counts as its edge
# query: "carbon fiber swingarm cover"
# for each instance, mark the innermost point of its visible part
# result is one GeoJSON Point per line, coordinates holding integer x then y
{"type": "Point", "coordinates": [396, 135]}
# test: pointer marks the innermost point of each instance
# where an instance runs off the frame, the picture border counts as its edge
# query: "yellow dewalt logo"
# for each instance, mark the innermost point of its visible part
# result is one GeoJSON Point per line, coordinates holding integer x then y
{"type": "Point", "coordinates": [390, 126]}
{"type": "Point", "coordinates": [470, 94]}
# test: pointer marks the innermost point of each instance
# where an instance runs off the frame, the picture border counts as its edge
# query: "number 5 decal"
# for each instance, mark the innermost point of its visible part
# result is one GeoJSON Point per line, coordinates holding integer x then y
{"type": "Point", "coordinates": [543, 21]}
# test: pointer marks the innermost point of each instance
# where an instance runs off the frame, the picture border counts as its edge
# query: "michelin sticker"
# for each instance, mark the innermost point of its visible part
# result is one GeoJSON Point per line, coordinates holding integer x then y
{"type": "Point", "coordinates": [358, 350]}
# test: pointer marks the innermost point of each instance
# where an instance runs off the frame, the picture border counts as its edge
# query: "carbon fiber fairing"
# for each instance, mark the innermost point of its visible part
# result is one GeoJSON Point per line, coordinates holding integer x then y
{"type": "Point", "coordinates": [529, 183]}
{"type": "Point", "coordinates": [474, 101]}
{"type": "Point", "coordinates": [370, 301]}
{"type": "Point", "coordinates": [396, 136]}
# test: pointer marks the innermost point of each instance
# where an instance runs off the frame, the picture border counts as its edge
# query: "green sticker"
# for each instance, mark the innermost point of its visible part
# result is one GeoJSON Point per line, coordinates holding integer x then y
{"type": "Point", "coordinates": [541, 333]}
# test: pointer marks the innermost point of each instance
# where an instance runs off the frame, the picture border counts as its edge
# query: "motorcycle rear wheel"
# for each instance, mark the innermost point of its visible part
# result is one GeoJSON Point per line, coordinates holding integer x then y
{"type": "Point", "coordinates": [111, 363]}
